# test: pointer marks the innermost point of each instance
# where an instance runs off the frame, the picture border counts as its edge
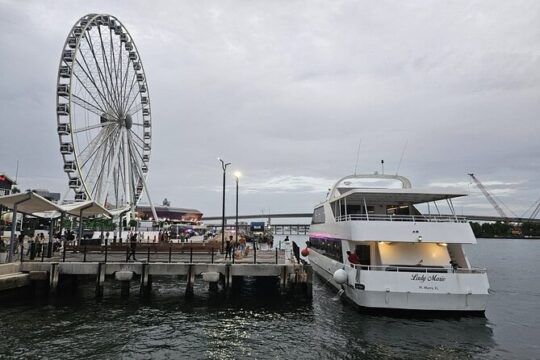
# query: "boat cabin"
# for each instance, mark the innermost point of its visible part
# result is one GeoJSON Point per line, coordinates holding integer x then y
{"type": "Point", "coordinates": [384, 229]}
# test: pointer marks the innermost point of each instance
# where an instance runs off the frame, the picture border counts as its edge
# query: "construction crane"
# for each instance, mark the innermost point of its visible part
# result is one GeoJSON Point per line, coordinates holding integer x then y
{"type": "Point", "coordinates": [515, 229]}
{"type": "Point", "coordinates": [490, 198]}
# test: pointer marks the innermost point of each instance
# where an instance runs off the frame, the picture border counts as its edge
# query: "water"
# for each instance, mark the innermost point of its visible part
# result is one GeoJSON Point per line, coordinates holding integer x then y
{"type": "Point", "coordinates": [263, 326]}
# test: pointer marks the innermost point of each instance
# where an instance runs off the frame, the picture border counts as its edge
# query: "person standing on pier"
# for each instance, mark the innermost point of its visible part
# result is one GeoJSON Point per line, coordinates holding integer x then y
{"type": "Point", "coordinates": [132, 246]}
{"type": "Point", "coordinates": [228, 248]}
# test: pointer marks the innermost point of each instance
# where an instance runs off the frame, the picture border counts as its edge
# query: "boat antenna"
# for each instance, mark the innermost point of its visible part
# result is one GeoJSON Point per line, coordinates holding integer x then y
{"type": "Point", "coordinates": [357, 156]}
{"type": "Point", "coordinates": [17, 172]}
{"type": "Point", "coordinates": [401, 158]}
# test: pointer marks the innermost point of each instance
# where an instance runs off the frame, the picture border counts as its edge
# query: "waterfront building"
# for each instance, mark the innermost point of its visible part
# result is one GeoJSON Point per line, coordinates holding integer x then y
{"type": "Point", "coordinates": [170, 213]}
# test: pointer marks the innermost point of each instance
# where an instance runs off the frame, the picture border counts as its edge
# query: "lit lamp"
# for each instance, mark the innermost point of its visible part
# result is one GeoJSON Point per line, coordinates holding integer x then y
{"type": "Point", "coordinates": [237, 175]}
{"type": "Point", "coordinates": [224, 167]}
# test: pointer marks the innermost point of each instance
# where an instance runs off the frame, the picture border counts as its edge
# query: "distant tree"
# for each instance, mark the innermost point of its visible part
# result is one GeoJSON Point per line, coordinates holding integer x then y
{"type": "Point", "coordinates": [15, 190]}
{"type": "Point", "coordinates": [166, 202]}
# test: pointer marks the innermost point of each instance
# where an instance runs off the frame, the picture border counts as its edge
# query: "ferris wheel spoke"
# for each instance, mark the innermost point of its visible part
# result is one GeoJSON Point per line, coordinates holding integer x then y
{"type": "Point", "coordinates": [132, 103]}
{"type": "Point", "coordinates": [138, 152]}
{"type": "Point", "coordinates": [114, 62]}
{"type": "Point", "coordinates": [91, 144]}
{"type": "Point", "coordinates": [136, 146]}
{"type": "Point", "coordinates": [138, 108]}
{"type": "Point", "coordinates": [104, 90]}
{"type": "Point", "coordinates": [86, 105]}
{"type": "Point", "coordinates": [107, 68]}
{"type": "Point", "coordinates": [96, 126]}
{"type": "Point", "coordinates": [98, 147]}
{"type": "Point", "coordinates": [89, 76]}
{"type": "Point", "coordinates": [120, 72]}
{"type": "Point", "coordinates": [133, 82]}
{"type": "Point", "coordinates": [124, 82]}
{"type": "Point", "coordinates": [102, 78]}
{"type": "Point", "coordinates": [136, 170]}
{"type": "Point", "coordinates": [104, 164]}
{"type": "Point", "coordinates": [122, 167]}
{"type": "Point", "coordinates": [138, 138]}
{"type": "Point", "coordinates": [84, 85]}
{"type": "Point", "coordinates": [96, 172]}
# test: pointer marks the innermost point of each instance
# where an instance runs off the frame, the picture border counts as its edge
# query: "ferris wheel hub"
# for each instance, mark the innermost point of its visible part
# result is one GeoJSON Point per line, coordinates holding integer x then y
{"type": "Point", "coordinates": [127, 121]}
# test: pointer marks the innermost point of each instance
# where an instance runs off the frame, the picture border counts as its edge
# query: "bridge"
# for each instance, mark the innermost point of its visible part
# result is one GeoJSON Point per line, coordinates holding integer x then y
{"type": "Point", "coordinates": [483, 218]}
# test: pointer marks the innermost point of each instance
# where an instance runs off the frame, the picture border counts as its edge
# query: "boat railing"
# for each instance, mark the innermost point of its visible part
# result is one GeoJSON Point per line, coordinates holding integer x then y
{"type": "Point", "coordinates": [411, 218]}
{"type": "Point", "coordinates": [419, 269]}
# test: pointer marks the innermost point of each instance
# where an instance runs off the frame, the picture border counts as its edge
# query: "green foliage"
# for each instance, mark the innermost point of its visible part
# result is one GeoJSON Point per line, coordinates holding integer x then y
{"type": "Point", "coordinates": [499, 229]}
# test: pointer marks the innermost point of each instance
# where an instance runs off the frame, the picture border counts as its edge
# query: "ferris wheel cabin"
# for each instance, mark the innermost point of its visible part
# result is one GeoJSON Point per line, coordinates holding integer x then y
{"type": "Point", "coordinates": [62, 109]}
{"type": "Point", "coordinates": [70, 166]}
{"type": "Point", "coordinates": [75, 183]}
{"type": "Point", "coordinates": [80, 196]}
{"type": "Point", "coordinates": [66, 148]}
{"type": "Point", "coordinates": [63, 129]}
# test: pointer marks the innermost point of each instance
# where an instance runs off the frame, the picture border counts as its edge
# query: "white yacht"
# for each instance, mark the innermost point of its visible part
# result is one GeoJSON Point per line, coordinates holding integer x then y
{"type": "Point", "coordinates": [399, 258]}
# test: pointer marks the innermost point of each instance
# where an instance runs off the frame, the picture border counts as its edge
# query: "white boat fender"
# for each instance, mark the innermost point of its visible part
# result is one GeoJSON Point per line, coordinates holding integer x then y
{"type": "Point", "coordinates": [340, 276]}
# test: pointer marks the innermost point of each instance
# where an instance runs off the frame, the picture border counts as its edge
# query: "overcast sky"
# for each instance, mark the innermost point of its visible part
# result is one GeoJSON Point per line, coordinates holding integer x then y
{"type": "Point", "coordinates": [286, 90]}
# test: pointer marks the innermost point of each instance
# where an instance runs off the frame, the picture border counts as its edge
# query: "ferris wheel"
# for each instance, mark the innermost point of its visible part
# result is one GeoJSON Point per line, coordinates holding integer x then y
{"type": "Point", "coordinates": [103, 113]}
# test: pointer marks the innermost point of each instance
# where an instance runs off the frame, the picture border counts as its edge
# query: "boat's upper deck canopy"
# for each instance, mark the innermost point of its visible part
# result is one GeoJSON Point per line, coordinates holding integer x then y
{"type": "Point", "coordinates": [395, 196]}
{"type": "Point", "coordinates": [379, 189]}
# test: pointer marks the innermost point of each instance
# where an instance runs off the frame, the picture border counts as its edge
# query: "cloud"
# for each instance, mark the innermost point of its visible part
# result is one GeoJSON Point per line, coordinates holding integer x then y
{"type": "Point", "coordinates": [292, 87]}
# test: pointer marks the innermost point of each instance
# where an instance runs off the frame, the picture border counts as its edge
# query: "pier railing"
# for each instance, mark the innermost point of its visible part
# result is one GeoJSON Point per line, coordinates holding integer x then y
{"type": "Point", "coordinates": [152, 252]}
{"type": "Point", "coordinates": [411, 218]}
{"type": "Point", "coordinates": [419, 269]}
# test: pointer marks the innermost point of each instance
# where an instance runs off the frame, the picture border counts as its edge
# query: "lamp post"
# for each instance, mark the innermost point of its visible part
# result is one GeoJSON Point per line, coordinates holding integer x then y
{"type": "Point", "coordinates": [224, 167]}
{"type": "Point", "coordinates": [237, 176]}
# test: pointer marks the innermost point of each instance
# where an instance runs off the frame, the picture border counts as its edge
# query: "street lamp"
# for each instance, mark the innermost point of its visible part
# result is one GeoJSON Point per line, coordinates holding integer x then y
{"type": "Point", "coordinates": [237, 176]}
{"type": "Point", "coordinates": [224, 167]}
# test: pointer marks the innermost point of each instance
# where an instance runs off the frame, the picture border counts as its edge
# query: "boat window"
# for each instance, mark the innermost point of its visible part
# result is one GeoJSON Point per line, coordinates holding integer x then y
{"type": "Point", "coordinates": [355, 209]}
{"type": "Point", "coordinates": [328, 247]}
{"type": "Point", "coordinates": [362, 251]}
{"type": "Point", "coordinates": [318, 216]}
{"type": "Point", "coordinates": [402, 210]}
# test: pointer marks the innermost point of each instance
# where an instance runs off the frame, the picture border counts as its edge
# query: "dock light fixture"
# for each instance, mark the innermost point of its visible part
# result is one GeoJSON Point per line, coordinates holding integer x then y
{"type": "Point", "coordinates": [224, 167]}
{"type": "Point", "coordinates": [237, 176]}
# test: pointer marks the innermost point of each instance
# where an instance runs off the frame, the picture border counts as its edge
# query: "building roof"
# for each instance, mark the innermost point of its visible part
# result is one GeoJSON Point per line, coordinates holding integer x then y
{"type": "Point", "coordinates": [28, 203]}
{"type": "Point", "coordinates": [168, 209]}
{"type": "Point", "coordinates": [88, 208]}
{"type": "Point", "coordinates": [7, 178]}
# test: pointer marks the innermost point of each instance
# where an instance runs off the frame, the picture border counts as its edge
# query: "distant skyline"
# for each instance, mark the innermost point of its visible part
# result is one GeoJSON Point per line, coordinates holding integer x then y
{"type": "Point", "coordinates": [286, 91]}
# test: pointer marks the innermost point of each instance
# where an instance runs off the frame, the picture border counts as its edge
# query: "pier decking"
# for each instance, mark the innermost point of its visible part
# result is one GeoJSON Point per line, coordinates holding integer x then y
{"type": "Point", "coordinates": [192, 263]}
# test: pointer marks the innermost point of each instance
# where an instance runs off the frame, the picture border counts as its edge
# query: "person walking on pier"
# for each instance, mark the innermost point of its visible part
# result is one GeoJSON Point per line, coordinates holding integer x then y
{"type": "Point", "coordinates": [228, 248]}
{"type": "Point", "coordinates": [132, 246]}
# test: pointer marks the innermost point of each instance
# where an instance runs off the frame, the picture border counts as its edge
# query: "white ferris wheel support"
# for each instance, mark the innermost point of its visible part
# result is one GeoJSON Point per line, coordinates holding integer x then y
{"type": "Point", "coordinates": [103, 114]}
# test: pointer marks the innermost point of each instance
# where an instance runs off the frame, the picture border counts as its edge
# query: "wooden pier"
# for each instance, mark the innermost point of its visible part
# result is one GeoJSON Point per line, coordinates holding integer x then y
{"type": "Point", "coordinates": [192, 263]}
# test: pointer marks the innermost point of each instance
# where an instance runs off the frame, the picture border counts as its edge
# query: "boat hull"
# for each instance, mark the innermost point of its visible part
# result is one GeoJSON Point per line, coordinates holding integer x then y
{"type": "Point", "coordinates": [386, 290]}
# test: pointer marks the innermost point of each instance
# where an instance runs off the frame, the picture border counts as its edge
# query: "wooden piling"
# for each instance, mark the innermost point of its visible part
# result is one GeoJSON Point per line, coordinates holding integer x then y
{"type": "Point", "coordinates": [54, 275]}
{"type": "Point", "coordinates": [190, 281]}
{"type": "Point", "coordinates": [100, 280]}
